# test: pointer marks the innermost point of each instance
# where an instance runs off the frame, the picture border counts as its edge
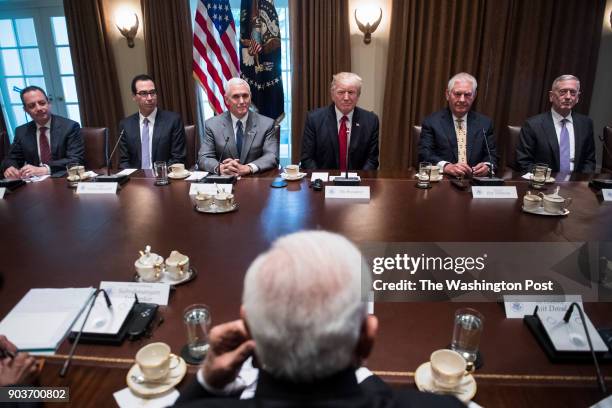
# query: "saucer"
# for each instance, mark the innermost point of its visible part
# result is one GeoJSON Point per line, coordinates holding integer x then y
{"type": "Point", "coordinates": [148, 390]}
{"type": "Point", "coordinates": [166, 278]}
{"type": "Point", "coordinates": [213, 209]}
{"type": "Point", "coordinates": [179, 176]}
{"type": "Point", "coordinates": [541, 211]}
{"type": "Point", "coordinates": [433, 179]}
{"type": "Point", "coordinates": [424, 382]}
{"type": "Point", "coordinates": [286, 176]}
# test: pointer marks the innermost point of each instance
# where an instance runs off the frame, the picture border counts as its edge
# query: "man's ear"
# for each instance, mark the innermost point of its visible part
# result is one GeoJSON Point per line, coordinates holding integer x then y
{"type": "Point", "coordinates": [369, 328]}
{"type": "Point", "coordinates": [244, 320]}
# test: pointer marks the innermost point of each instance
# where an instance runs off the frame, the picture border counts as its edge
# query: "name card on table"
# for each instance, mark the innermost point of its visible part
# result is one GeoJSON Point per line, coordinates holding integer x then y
{"type": "Point", "coordinates": [147, 292]}
{"type": "Point", "coordinates": [517, 306]}
{"type": "Point", "coordinates": [2, 191]}
{"type": "Point", "coordinates": [209, 188]}
{"type": "Point", "coordinates": [494, 192]}
{"type": "Point", "coordinates": [126, 172]}
{"type": "Point", "coordinates": [607, 194]}
{"type": "Point", "coordinates": [96, 188]}
{"type": "Point", "coordinates": [348, 192]}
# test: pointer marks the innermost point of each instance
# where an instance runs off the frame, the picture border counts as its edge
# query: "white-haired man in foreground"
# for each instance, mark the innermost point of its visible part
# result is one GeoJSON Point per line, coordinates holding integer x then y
{"type": "Point", "coordinates": [304, 320]}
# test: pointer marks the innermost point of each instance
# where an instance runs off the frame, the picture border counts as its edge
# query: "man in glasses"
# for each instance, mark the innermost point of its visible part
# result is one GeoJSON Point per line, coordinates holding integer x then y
{"type": "Point", "coordinates": [457, 139]}
{"type": "Point", "coordinates": [151, 134]}
{"type": "Point", "coordinates": [560, 138]}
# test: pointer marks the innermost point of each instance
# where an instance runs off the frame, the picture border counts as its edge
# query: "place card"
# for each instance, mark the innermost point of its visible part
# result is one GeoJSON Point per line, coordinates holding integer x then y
{"type": "Point", "coordinates": [607, 194]}
{"type": "Point", "coordinates": [209, 188]}
{"type": "Point", "coordinates": [2, 191]}
{"type": "Point", "coordinates": [196, 175]}
{"type": "Point", "coordinates": [96, 188]}
{"type": "Point", "coordinates": [147, 292]}
{"type": "Point", "coordinates": [518, 306]}
{"type": "Point", "coordinates": [494, 192]}
{"type": "Point", "coordinates": [126, 172]}
{"type": "Point", "coordinates": [348, 192]}
{"type": "Point", "coordinates": [323, 176]}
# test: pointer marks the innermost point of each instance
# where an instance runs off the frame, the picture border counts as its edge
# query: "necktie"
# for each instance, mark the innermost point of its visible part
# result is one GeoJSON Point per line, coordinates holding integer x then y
{"type": "Point", "coordinates": [342, 139]}
{"type": "Point", "coordinates": [146, 141]}
{"type": "Point", "coordinates": [564, 148]}
{"type": "Point", "coordinates": [45, 150]}
{"type": "Point", "coordinates": [239, 137]}
{"type": "Point", "coordinates": [461, 142]}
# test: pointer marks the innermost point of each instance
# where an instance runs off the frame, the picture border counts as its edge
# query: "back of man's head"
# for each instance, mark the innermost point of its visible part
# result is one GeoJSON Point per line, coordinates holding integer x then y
{"type": "Point", "coordinates": [303, 305]}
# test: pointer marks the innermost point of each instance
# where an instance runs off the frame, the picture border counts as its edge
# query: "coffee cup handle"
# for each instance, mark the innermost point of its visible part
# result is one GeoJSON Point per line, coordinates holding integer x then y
{"type": "Point", "coordinates": [567, 203]}
{"type": "Point", "coordinates": [177, 361]}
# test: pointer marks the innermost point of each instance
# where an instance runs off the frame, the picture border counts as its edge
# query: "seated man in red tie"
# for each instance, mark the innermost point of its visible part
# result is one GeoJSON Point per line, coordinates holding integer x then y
{"type": "Point", "coordinates": [46, 144]}
{"type": "Point", "coordinates": [341, 131]}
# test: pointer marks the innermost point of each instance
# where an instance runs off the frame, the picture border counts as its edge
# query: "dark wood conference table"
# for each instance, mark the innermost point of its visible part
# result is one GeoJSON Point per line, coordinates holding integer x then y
{"type": "Point", "coordinates": [52, 237]}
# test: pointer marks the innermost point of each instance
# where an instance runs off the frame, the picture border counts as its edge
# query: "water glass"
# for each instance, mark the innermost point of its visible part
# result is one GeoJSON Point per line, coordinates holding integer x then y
{"type": "Point", "coordinates": [467, 330]}
{"type": "Point", "coordinates": [197, 321]}
{"type": "Point", "coordinates": [540, 173]}
{"type": "Point", "coordinates": [160, 169]}
{"type": "Point", "coordinates": [424, 175]}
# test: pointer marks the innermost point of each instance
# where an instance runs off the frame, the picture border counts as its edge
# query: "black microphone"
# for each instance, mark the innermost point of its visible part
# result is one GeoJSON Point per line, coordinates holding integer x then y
{"type": "Point", "coordinates": [602, 384]}
{"type": "Point", "coordinates": [220, 178]}
{"type": "Point", "coordinates": [78, 337]}
{"type": "Point", "coordinates": [346, 180]}
{"type": "Point", "coordinates": [490, 180]}
{"type": "Point", "coordinates": [108, 177]}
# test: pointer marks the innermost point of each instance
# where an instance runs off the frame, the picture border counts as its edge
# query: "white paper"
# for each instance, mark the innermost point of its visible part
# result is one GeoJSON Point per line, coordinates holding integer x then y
{"type": "Point", "coordinates": [322, 176]}
{"type": "Point", "coordinates": [331, 178]}
{"type": "Point", "coordinates": [125, 398]}
{"type": "Point", "coordinates": [348, 192]}
{"type": "Point", "coordinates": [103, 319]}
{"type": "Point", "coordinates": [196, 175]}
{"type": "Point", "coordinates": [527, 176]}
{"type": "Point", "coordinates": [96, 188]}
{"type": "Point", "coordinates": [494, 192]}
{"type": "Point", "coordinates": [518, 306]}
{"type": "Point", "coordinates": [126, 172]}
{"type": "Point", "coordinates": [607, 194]}
{"type": "Point", "coordinates": [36, 179]}
{"type": "Point", "coordinates": [147, 292]}
{"type": "Point", "coordinates": [209, 188]}
{"type": "Point", "coordinates": [42, 317]}
{"type": "Point", "coordinates": [2, 191]}
{"type": "Point", "coordinates": [91, 174]}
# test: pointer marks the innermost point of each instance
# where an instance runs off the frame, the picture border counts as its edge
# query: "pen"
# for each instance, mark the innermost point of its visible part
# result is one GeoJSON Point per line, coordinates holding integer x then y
{"type": "Point", "coordinates": [5, 353]}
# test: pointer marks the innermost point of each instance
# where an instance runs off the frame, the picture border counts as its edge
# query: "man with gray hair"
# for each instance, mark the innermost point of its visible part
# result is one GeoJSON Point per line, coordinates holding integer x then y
{"type": "Point", "coordinates": [341, 135]}
{"type": "Point", "coordinates": [457, 139]}
{"type": "Point", "coordinates": [304, 318]}
{"type": "Point", "coordinates": [560, 138]}
{"type": "Point", "coordinates": [238, 142]}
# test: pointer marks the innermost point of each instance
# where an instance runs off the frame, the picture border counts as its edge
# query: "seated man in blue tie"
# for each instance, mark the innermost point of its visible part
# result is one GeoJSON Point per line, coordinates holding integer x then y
{"type": "Point", "coordinates": [238, 142]}
{"type": "Point", "coordinates": [341, 131]}
{"type": "Point", "coordinates": [457, 139]}
{"type": "Point", "coordinates": [46, 144]}
{"type": "Point", "coordinates": [151, 134]}
{"type": "Point", "coordinates": [560, 138]}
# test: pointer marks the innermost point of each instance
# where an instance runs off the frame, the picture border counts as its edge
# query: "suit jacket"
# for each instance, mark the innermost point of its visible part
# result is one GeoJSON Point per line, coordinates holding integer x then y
{"type": "Point", "coordinates": [168, 142]}
{"type": "Point", "coordinates": [66, 145]}
{"type": "Point", "coordinates": [259, 146]}
{"type": "Point", "coordinates": [320, 140]}
{"type": "Point", "coordinates": [538, 143]}
{"type": "Point", "coordinates": [338, 391]}
{"type": "Point", "coordinates": [439, 140]}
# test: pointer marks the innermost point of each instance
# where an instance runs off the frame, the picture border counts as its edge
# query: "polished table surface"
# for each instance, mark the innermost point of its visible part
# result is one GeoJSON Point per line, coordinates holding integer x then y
{"type": "Point", "coordinates": [52, 237]}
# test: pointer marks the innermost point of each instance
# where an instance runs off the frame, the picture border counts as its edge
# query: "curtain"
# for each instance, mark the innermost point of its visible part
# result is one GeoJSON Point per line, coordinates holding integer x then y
{"type": "Point", "coordinates": [320, 47]}
{"type": "Point", "coordinates": [168, 41]}
{"type": "Point", "coordinates": [4, 139]}
{"type": "Point", "coordinates": [94, 65]}
{"type": "Point", "coordinates": [514, 48]}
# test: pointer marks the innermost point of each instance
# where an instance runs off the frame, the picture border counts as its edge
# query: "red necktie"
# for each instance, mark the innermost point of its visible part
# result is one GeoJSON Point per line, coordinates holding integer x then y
{"type": "Point", "coordinates": [45, 150]}
{"type": "Point", "coordinates": [342, 133]}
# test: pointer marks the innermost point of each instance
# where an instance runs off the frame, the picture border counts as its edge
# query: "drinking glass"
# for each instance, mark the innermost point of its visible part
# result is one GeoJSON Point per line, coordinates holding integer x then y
{"type": "Point", "coordinates": [424, 175]}
{"type": "Point", "coordinates": [540, 172]}
{"type": "Point", "coordinates": [160, 169]}
{"type": "Point", "coordinates": [197, 321]}
{"type": "Point", "coordinates": [467, 330]}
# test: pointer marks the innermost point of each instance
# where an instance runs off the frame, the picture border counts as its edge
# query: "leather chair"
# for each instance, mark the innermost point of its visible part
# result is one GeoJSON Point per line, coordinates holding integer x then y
{"type": "Point", "coordinates": [512, 141]}
{"type": "Point", "coordinates": [4, 145]}
{"type": "Point", "coordinates": [192, 142]}
{"type": "Point", "coordinates": [606, 154]}
{"type": "Point", "coordinates": [96, 146]}
{"type": "Point", "coordinates": [416, 138]}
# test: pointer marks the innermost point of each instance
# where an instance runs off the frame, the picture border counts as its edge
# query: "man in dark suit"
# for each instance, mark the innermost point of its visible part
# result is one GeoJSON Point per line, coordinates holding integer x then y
{"type": "Point", "coordinates": [151, 134]}
{"type": "Point", "coordinates": [329, 130]}
{"type": "Point", "coordinates": [560, 138]}
{"type": "Point", "coordinates": [46, 144]}
{"type": "Point", "coordinates": [457, 139]}
{"type": "Point", "coordinates": [238, 142]}
{"type": "Point", "coordinates": [304, 320]}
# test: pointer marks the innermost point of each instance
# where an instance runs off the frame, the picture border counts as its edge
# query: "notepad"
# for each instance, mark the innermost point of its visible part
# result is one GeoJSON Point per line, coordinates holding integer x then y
{"type": "Point", "coordinates": [42, 318]}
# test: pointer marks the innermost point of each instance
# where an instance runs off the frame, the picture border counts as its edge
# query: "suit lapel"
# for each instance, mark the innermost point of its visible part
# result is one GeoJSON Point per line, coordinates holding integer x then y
{"type": "Point", "coordinates": [449, 131]}
{"type": "Point", "coordinates": [548, 128]}
{"type": "Point", "coordinates": [55, 143]}
{"type": "Point", "coordinates": [32, 131]}
{"type": "Point", "coordinates": [355, 135]}
{"type": "Point", "coordinates": [134, 129]}
{"type": "Point", "coordinates": [332, 131]}
{"type": "Point", "coordinates": [579, 133]}
{"type": "Point", "coordinates": [249, 136]}
{"type": "Point", "coordinates": [157, 130]}
{"type": "Point", "coordinates": [228, 134]}
{"type": "Point", "coordinates": [474, 130]}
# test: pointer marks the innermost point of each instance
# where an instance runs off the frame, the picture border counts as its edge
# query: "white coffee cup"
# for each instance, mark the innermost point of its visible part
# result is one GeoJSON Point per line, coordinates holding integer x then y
{"type": "Point", "coordinates": [178, 169]}
{"type": "Point", "coordinates": [434, 172]}
{"type": "Point", "coordinates": [531, 201]}
{"type": "Point", "coordinates": [224, 201]}
{"type": "Point", "coordinates": [554, 203]}
{"type": "Point", "coordinates": [203, 200]}
{"type": "Point", "coordinates": [149, 268]}
{"type": "Point", "coordinates": [177, 265]}
{"type": "Point", "coordinates": [154, 361]}
{"type": "Point", "coordinates": [447, 368]}
{"type": "Point", "coordinates": [292, 170]}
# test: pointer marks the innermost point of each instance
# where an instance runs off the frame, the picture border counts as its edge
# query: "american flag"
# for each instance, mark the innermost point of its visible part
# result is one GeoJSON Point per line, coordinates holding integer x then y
{"type": "Point", "coordinates": [215, 59]}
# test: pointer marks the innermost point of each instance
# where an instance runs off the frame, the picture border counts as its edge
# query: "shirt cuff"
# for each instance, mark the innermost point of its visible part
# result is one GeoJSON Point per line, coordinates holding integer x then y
{"type": "Point", "coordinates": [441, 165]}
{"type": "Point", "coordinates": [254, 168]}
{"type": "Point", "coordinates": [232, 388]}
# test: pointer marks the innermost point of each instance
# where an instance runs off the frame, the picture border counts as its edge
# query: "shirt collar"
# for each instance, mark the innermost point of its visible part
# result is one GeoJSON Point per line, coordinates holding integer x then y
{"type": "Point", "coordinates": [558, 118]}
{"type": "Point", "coordinates": [243, 120]}
{"type": "Point", "coordinates": [339, 115]}
{"type": "Point", "coordinates": [464, 117]}
{"type": "Point", "coordinates": [47, 125]}
{"type": "Point", "coordinates": [151, 117]}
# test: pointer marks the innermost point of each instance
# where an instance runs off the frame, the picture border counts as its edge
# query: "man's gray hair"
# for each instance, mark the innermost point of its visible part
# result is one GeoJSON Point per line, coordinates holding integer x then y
{"type": "Point", "coordinates": [233, 82]}
{"type": "Point", "coordinates": [303, 305]}
{"type": "Point", "coordinates": [349, 78]}
{"type": "Point", "coordinates": [566, 77]}
{"type": "Point", "coordinates": [462, 76]}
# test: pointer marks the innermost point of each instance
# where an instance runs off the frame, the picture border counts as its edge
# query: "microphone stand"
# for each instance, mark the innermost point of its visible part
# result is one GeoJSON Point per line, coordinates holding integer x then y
{"type": "Point", "coordinates": [64, 369]}
{"type": "Point", "coordinates": [346, 180]}
{"type": "Point", "coordinates": [490, 180]}
{"type": "Point", "coordinates": [108, 178]}
{"type": "Point", "coordinates": [600, 380]}
{"type": "Point", "coordinates": [220, 178]}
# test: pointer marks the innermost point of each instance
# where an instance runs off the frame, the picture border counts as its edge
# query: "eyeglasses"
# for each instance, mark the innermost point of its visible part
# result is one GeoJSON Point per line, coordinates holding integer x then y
{"type": "Point", "coordinates": [572, 92]}
{"type": "Point", "coordinates": [458, 94]}
{"type": "Point", "coordinates": [144, 94]}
